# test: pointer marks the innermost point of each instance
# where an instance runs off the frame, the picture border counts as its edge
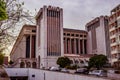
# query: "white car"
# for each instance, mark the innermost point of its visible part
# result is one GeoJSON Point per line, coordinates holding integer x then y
{"type": "Point", "coordinates": [65, 70]}
{"type": "Point", "coordinates": [98, 73]}
{"type": "Point", "coordinates": [82, 70]}
{"type": "Point", "coordinates": [54, 69]}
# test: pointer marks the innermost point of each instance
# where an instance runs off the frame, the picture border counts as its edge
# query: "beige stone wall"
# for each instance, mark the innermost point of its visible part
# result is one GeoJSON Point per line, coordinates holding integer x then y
{"type": "Point", "coordinates": [20, 50]}
{"type": "Point", "coordinates": [49, 75]}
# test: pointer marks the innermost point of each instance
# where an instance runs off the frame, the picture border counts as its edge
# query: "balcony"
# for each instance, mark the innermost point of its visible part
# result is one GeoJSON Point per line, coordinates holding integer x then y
{"type": "Point", "coordinates": [115, 51]}
{"type": "Point", "coordinates": [118, 26]}
{"type": "Point", "coordinates": [114, 60]}
{"type": "Point", "coordinates": [113, 28]}
{"type": "Point", "coordinates": [114, 44]}
{"type": "Point", "coordinates": [113, 36]}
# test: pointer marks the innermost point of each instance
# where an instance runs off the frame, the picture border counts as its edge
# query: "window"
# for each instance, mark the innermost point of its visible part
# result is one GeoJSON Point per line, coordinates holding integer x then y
{"type": "Point", "coordinates": [64, 34]}
{"type": "Point", "coordinates": [68, 34]}
{"type": "Point", "coordinates": [33, 30]}
{"type": "Point", "coordinates": [72, 35]}
{"type": "Point", "coordinates": [33, 75]}
{"type": "Point", "coordinates": [81, 35]}
{"type": "Point", "coordinates": [77, 35]}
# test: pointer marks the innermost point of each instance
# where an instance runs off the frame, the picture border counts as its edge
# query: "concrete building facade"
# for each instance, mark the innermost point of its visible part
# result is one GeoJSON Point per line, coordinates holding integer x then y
{"type": "Point", "coordinates": [44, 44]}
{"type": "Point", "coordinates": [98, 36]}
{"type": "Point", "coordinates": [40, 46]}
{"type": "Point", "coordinates": [114, 30]}
{"type": "Point", "coordinates": [49, 37]}
{"type": "Point", "coordinates": [75, 46]}
{"type": "Point", "coordinates": [23, 52]}
{"type": "Point", "coordinates": [75, 41]}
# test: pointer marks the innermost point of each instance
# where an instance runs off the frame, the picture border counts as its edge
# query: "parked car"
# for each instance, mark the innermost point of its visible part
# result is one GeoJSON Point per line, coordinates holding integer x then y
{"type": "Point", "coordinates": [82, 71]}
{"type": "Point", "coordinates": [65, 70]}
{"type": "Point", "coordinates": [98, 73]}
{"type": "Point", "coordinates": [54, 68]}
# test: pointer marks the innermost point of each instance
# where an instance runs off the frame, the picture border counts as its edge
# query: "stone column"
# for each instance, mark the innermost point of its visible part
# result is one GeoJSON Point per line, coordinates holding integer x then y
{"type": "Point", "coordinates": [79, 46]}
{"type": "Point", "coordinates": [65, 46]}
{"type": "Point", "coordinates": [75, 47]}
{"type": "Point", "coordinates": [30, 46]}
{"type": "Point", "coordinates": [70, 47]}
{"type": "Point", "coordinates": [83, 46]}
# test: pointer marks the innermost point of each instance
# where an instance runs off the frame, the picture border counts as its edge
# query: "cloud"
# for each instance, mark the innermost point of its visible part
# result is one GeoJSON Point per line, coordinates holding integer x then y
{"type": "Point", "coordinates": [76, 12]}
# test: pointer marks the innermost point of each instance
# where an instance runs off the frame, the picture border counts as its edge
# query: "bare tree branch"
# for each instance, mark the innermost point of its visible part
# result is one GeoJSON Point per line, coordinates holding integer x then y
{"type": "Point", "coordinates": [16, 16]}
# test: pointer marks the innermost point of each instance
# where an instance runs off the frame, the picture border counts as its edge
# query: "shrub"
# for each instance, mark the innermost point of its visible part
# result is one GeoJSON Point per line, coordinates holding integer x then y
{"type": "Point", "coordinates": [72, 67]}
{"type": "Point", "coordinates": [63, 61]}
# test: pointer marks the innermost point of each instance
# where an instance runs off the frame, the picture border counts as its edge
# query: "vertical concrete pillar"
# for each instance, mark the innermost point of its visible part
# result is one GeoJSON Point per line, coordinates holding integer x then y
{"type": "Point", "coordinates": [70, 49]}
{"type": "Point", "coordinates": [83, 46]}
{"type": "Point", "coordinates": [30, 46]}
{"type": "Point", "coordinates": [61, 32]}
{"type": "Point", "coordinates": [68, 43]}
{"type": "Point", "coordinates": [75, 46]}
{"type": "Point", "coordinates": [50, 33]}
{"type": "Point", "coordinates": [48, 48]}
{"type": "Point", "coordinates": [65, 45]}
{"type": "Point", "coordinates": [79, 46]}
{"type": "Point", "coordinates": [57, 41]}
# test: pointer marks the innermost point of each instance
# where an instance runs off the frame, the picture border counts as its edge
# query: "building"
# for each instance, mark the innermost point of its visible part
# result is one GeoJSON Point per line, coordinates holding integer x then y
{"type": "Point", "coordinates": [98, 36]}
{"type": "Point", "coordinates": [75, 46]}
{"type": "Point", "coordinates": [75, 41]}
{"type": "Point", "coordinates": [49, 36]}
{"type": "Point", "coordinates": [23, 52]}
{"type": "Point", "coordinates": [41, 45]}
{"type": "Point", "coordinates": [114, 30]}
{"type": "Point", "coordinates": [44, 44]}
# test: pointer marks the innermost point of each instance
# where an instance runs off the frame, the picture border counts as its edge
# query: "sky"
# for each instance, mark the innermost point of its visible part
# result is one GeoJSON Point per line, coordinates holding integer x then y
{"type": "Point", "coordinates": [76, 13]}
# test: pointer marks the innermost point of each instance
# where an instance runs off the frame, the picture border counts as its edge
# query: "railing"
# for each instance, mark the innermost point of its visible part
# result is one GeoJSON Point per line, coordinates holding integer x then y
{"type": "Point", "coordinates": [25, 60]}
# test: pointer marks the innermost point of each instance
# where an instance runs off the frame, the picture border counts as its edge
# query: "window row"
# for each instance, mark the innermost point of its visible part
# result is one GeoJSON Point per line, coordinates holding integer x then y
{"type": "Point", "coordinates": [117, 47]}
{"type": "Point", "coordinates": [75, 35]}
{"type": "Point", "coordinates": [112, 17]}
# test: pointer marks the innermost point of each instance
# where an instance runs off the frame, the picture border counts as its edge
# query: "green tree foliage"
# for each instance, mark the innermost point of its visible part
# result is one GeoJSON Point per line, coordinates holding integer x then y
{"type": "Point", "coordinates": [97, 61]}
{"type": "Point", "coordinates": [1, 58]}
{"type": "Point", "coordinates": [63, 61]}
{"type": "Point", "coordinates": [3, 13]}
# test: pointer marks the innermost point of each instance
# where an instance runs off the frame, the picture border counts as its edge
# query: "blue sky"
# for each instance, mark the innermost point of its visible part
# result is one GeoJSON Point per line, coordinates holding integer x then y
{"type": "Point", "coordinates": [76, 12]}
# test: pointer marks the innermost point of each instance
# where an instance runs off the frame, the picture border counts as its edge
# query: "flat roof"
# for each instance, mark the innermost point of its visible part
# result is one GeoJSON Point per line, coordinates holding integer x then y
{"type": "Point", "coordinates": [74, 30]}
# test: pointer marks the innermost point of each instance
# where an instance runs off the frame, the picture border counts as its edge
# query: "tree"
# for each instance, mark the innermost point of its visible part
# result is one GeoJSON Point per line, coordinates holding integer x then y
{"type": "Point", "coordinates": [63, 61]}
{"type": "Point", "coordinates": [1, 59]}
{"type": "Point", "coordinates": [97, 61]}
{"type": "Point", "coordinates": [3, 13]}
{"type": "Point", "coordinates": [16, 17]}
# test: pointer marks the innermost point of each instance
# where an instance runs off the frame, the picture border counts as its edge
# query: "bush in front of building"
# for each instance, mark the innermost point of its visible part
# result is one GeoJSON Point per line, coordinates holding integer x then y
{"type": "Point", "coordinates": [63, 62]}
{"type": "Point", "coordinates": [72, 67]}
{"type": "Point", "coordinates": [97, 61]}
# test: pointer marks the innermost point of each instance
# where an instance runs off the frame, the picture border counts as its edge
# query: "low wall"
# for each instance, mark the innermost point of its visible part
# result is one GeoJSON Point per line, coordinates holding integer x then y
{"type": "Point", "coordinates": [37, 74]}
{"type": "Point", "coordinates": [114, 76]}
